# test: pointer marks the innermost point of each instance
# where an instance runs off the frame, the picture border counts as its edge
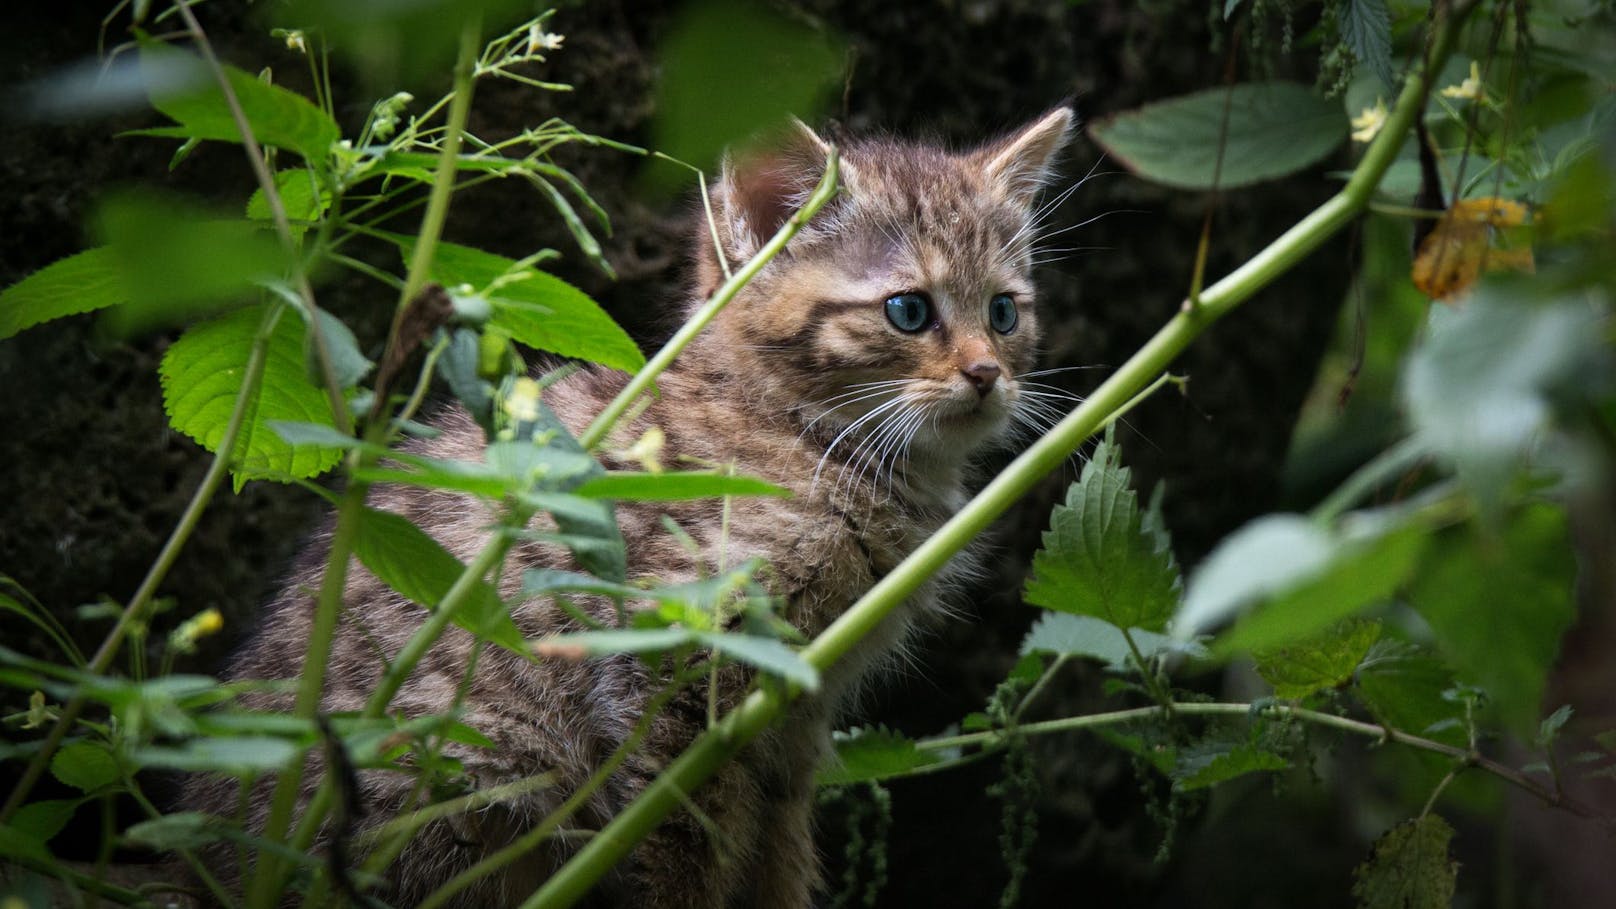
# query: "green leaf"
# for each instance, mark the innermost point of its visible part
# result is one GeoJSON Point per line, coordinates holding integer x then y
{"type": "Point", "coordinates": [1409, 868]}
{"type": "Point", "coordinates": [1209, 763]}
{"type": "Point", "coordinates": [614, 640]}
{"type": "Point", "coordinates": [391, 42]}
{"type": "Point", "coordinates": [537, 582]}
{"type": "Point", "coordinates": [1499, 607]}
{"type": "Point", "coordinates": [420, 569]}
{"type": "Point", "coordinates": [86, 766]}
{"type": "Point", "coordinates": [278, 117]}
{"type": "Point", "coordinates": [767, 654]}
{"type": "Point", "coordinates": [870, 754]}
{"type": "Point", "coordinates": [79, 283]}
{"type": "Point", "coordinates": [348, 364]}
{"type": "Point", "coordinates": [201, 375]}
{"type": "Point", "coordinates": [1402, 685]}
{"type": "Point", "coordinates": [1274, 129]}
{"type": "Point", "coordinates": [1549, 729]}
{"type": "Point", "coordinates": [673, 487]}
{"type": "Point", "coordinates": [1366, 28]}
{"type": "Point", "coordinates": [1315, 664]}
{"type": "Point", "coordinates": [1095, 638]}
{"type": "Point", "coordinates": [534, 307]}
{"type": "Point", "coordinates": [233, 756]}
{"type": "Point", "coordinates": [14, 842]}
{"type": "Point", "coordinates": [301, 196]}
{"type": "Point", "coordinates": [44, 819]}
{"type": "Point", "coordinates": [181, 830]}
{"type": "Point", "coordinates": [1098, 557]}
{"type": "Point", "coordinates": [174, 258]}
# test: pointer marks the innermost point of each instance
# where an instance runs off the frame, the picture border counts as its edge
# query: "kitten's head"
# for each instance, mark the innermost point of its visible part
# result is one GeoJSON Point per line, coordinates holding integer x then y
{"type": "Point", "coordinates": [900, 320]}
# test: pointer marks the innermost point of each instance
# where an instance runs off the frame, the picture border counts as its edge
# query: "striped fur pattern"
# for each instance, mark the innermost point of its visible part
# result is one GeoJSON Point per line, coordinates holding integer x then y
{"type": "Point", "coordinates": [804, 380]}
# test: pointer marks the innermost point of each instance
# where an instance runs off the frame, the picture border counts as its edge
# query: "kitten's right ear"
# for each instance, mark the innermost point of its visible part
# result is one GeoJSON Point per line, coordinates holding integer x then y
{"type": "Point", "coordinates": [1022, 161]}
{"type": "Point", "coordinates": [765, 185]}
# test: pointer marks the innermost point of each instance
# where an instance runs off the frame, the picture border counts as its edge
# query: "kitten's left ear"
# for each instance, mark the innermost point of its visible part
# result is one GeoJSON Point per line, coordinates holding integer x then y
{"type": "Point", "coordinates": [1021, 162]}
{"type": "Point", "coordinates": [764, 185]}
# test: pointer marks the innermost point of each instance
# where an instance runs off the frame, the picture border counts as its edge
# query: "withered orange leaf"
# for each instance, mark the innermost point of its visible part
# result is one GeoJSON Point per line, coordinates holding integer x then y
{"type": "Point", "coordinates": [1460, 247]}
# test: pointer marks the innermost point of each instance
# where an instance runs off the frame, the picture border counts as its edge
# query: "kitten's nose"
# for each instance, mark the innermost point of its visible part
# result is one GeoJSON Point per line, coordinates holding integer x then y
{"type": "Point", "coordinates": [982, 373]}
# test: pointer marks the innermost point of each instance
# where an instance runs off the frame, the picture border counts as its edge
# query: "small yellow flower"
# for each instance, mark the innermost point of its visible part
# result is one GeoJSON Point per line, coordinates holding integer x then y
{"type": "Point", "coordinates": [522, 405]}
{"type": "Point", "coordinates": [295, 41]}
{"type": "Point", "coordinates": [1470, 89]}
{"type": "Point", "coordinates": [195, 628]}
{"type": "Point", "coordinates": [1368, 123]}
{"type": "Point", "coordinates": [647, 452]}
{"type": "Point", "coordinates": [538, 39]}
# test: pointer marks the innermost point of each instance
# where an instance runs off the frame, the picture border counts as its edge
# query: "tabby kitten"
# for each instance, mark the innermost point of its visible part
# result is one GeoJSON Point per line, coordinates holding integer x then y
{"type": "Point", "coordinates": [860, 370]}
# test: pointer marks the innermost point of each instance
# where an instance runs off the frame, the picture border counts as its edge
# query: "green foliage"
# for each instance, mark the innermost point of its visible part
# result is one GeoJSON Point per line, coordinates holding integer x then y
{"type": "Point", "coordinates": [1211, 762]}
{"type": "Point", "coordinates": [1366, 30]}
{"type": "Point", "coordinates": [1094, 638]}
{"type": "Point", "coordinates": [1223, 138]}
{"type": "Point", "coordinates": [673, 487]}
{"type": "Point", "coordinates": [1318, 663]}
{"type": "Point", "coordinates": [86, 766]}
{"type": "Point", "coordinates": [277, 117]}
{"type": "Point", "coordinates": [83, 282]}
{"type": "Point", "coordinates": [1410, 868]}
{"type": "Point", "coordinates": [873, 753]}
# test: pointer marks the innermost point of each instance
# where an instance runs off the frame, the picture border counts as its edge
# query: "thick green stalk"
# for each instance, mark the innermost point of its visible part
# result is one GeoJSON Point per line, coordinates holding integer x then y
{"type": "Point", "coordinates": [711, 750]}
{"type": "Point", "coordinates": [142, 600]}
{"type": "Point", "coordinates": [602, 425]}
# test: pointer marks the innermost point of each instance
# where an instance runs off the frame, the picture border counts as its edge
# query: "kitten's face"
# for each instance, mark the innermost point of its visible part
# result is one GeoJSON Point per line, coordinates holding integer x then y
{"type": "Point", "coordinates": [900, 323]}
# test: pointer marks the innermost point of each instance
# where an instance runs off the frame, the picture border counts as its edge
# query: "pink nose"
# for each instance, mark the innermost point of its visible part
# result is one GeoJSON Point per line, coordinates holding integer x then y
{"type": "Point", "coordinates": [982, 373]}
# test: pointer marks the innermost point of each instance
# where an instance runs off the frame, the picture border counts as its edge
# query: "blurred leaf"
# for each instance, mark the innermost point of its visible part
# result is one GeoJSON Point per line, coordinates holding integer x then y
{"type": "Point", "coordinates": [730, 69]}
{"type": "Point", "coordinates": [44, 819]}
{"type": "Point", "coordinates": [537, 582]}
{"type": "Point", "coordinates": [173, 258]}
{"type": "Point", "coordinates": [347, 363]}
{"type": "Point", "coordinates": [673, 487]}
{"type": "Point", "coordinates": [459, 369]}
{"type": "Point", "coordinates": [1454, 254]}
{"type": "Point", "coordinates": [388, 42]}
{"type": "Point", "coordinates": [14, 842]}
{"type": "Point", "coordinates": [1095, 638]}
{"type": "Point", "coordinates": [1314, 664]}
{"type": "Point", "coordinates": [421, 570]}
{"type": "Point", "coordinates": [1366, 28]}
{"type": "Point", "coordinates": [1209, 763]}
{"type": "Point", "coordinates": [278, 117]}
{"type": "Point", "coordinates": [1099, 559]}
{"type": "Point", "coordinates": [767, 654]}
{"type": "Point", "coordinates": [181, 830]}
{"type": "Point", "coordinates": [872, 753]}
{"type": "Point", "coordinates": [1402, 686]}
{"type": "Point", "coordinates": [304, 200]}
{"type": "Point", "coordinates": [1549, 729]}
{"type": "Point", "coordinates": [1409, 868]}
{"type": "Point", "coordinates": [1274, 129]}
{"type": "Point", "coordinates": [86, 766]}
{"type": "Point", "coordinates": [201, 377]}
{"type": "Point", "coordinates": [79, 283]}
{"type": "Point", "coordinates": [1499, 607]}
{"type": "Point", "coordinates": [1271, 554]}
{"type": "Point", "coordinates": [234, 756]}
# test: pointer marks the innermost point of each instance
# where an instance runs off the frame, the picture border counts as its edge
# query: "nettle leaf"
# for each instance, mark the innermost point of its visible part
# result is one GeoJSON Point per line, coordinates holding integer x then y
{"type": "Point", "coordinates": [673, 487]}
{"type": "Point", "coordinates": [278, 117]}
{"type": "Point", "coordinates": [1402, 685]}
{"type": "Point", "coordinates": [1315, 664]}
{"type": "Point", "coordinates": [534, 307]}
{"type": "Point", "coordinates": [201, 376]}
{"type": "Point", "coordinates": [419, 568]}
{"type": "Point", "coordinates": [1209, 763]}
{"type": "Point", "coordinates": [1366, 27]}
{"type": "Point", "coordinates": [80, 283]}
{"type": "Point", "coordinates": [1409, 868]}
{"type": "Point", "coordinates": [869, 754]}
{"type": "Point", "coordinates": [86, 766]}
{"type": "Point", "coordinates": [1094, 638]}
{"type": "Point", "coordinates": [1098, 558]}
{"type": "Point", "coordinates": [1273, 129]}
{"type": "Point", "coordinates": [1499, 607]}
{"type": "Point", "coordinates": [1477, 391]}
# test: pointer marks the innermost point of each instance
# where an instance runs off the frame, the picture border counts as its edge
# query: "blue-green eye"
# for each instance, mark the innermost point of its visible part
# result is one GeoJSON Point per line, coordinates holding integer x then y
{"type": "Point", "coordinates": [1002, 313]}
{"type": "Point", "coordinates": [909, 312]}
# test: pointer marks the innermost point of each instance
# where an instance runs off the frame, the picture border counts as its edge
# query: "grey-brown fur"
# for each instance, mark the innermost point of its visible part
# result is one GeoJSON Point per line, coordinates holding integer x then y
{"type": "Point", "coordinates": [760, 391]}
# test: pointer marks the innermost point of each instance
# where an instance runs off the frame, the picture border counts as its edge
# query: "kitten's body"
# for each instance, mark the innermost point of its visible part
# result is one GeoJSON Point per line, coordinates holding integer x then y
{"type": "Point", "coordinates": [776, 389]}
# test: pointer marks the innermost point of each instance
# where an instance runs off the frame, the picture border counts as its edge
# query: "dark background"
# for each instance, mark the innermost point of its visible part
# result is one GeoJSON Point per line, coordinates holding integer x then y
{"type": "Point", "coordinates": [93, 479]}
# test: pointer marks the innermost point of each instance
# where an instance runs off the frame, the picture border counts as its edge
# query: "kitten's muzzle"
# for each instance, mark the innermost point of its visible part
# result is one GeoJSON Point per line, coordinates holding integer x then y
{"type": "Point", "coordinates": [981, 374]}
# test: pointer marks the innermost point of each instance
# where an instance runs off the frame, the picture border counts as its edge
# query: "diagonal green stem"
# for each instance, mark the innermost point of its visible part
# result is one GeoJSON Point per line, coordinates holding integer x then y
{"type": "Point", "coordinates": [711, 750]}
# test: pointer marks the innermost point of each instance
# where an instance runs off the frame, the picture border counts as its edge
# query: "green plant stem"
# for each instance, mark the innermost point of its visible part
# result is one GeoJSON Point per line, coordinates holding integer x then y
{"type": "Point", "coordinates": [1394, 461]}
{"type": "Point", "coordinates": [140, 603]}
{"type": "Point", "coordinates": [602, 425]}
{"type": "Point", "coordinates": [715, 747]}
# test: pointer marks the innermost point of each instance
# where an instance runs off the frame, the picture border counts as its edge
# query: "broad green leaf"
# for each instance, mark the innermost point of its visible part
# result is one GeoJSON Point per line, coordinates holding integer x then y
{"type": "Point", "coordinates": [44, 819]}
{"type": "Point", "coordinates": [1499, 607]}
{"type": "Point", "coordinates": [1266, 556]}
{"type": "Point", "coordinates": [1366, 28]}
{"type": "Point", "coordinates": [201, 375]}
{"type": "Point", "coordinates": [278, 117]}
{"type": "Point", "coordinates": [21, 844]}
{"type": "Point", "coordinates": [767, 654]}
{"type": "Point", "coordinates": [1409, 868]}
{"type": "Point", "coordinates": [235, 756]}
{"type": "Point", "coordinates": [79, 283]}
{"type": "Point", "coordinates": [174, 258]}
{"type": "Point", "coordinates": [301, 196]}
{"type": "Point", "coordinates": [85, 766]}
{"type": "Point", "coordinates": [420, 569]}
{"type": "Point", "coordinates": [180, 830]}
{"type": "Point", "coordinates": [673, 487]}
{"type": "Point", "coordinates": [1209, 763]}
{"type": "Point", "coordinates": [347, 363]}
{"type": "Point", "coordinates": [534, 307]}
{"type": "Point", "coordinates": [1095, 638]}
{"type": "Point", "coordinates": [1402, 685]}
{"type": "Point", "coordinates": [1099, 559]}
{"type": "Point", "coordinates": [873, 753]}
{"type": "Point", "coordinates": [1478, 390]}
{"type": "Point", "coordinates": [1273, 129]}
{"type": "Point", "coordinates": [1314, 664]}
{"type": "Point", "coordinates": [1361, 574]}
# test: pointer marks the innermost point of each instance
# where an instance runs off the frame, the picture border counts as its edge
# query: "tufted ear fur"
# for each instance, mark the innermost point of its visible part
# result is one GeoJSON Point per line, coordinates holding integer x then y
{"type": "Point", "coordinates": [763, 186]}
{"type": "Point", "coordinates": [1021, 162]}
